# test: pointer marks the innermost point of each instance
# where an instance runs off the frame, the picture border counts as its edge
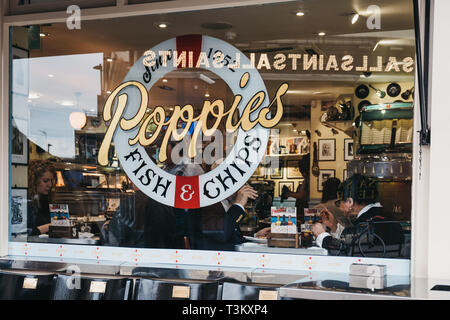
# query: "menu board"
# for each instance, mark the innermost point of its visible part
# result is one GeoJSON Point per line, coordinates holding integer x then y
{"type": "Point", "coordinates": [283, 220]}
{"type": "Point", "coordinates": [59, 215]}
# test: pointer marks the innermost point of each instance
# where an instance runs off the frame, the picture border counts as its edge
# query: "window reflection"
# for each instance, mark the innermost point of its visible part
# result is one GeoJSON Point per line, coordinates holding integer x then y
{"type": "Point", "coordinates": [348, 110]}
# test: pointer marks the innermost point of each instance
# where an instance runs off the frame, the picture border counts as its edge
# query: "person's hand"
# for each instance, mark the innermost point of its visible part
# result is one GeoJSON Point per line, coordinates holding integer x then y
{"type": "Point", "coordinates": [43, 229]}
{"type": "Point", "coordinates": [263, 232]}
{"type": "Point", "coordinates": [245, 193]}
{"type": "Point", "coordinates": [328, 219]}
{"type": "Point", "coordinates": [317, 228]}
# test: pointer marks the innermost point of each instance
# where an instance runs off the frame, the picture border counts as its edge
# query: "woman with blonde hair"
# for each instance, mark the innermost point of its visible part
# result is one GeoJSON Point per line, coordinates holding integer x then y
{"type": "Point", "coordinates": [41, 179]}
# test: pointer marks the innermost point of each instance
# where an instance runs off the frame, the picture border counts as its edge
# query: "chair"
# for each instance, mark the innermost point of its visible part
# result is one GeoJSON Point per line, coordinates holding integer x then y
{"type": "Point", "coordinates": [73, 287]}
{"type": "Point", "coordinates": [240, 291]}
{"type": "Point", "coordinates": [16, 286]}
{"type": "Point", "coordinates": [379, 239]}
{"type": "Point", "coordinates": [156, 289]}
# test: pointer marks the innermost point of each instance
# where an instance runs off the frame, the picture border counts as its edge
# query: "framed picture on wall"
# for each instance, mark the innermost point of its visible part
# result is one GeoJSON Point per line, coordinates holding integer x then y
{"type": "Point", "coordinates": [259, 172]}
{"type": "Point", "coordinates": [18, 218]}
{"type": "Point", "coordinates": [281, 184]}
{"type": "Point", "coordinates": [292, 169]}
{"type": "Point", "coordinates": [324, 175]}
{"type": "Point", "coordinates": [327, 150]}
{"type": "Point", "coordinates": [19, 146]}
{"type": "Point", "coordinates": [348, 149]}
{"type": "Point", "coordinates": [300, 182]}
{"type": "Point", "coordinates": [275, 170]}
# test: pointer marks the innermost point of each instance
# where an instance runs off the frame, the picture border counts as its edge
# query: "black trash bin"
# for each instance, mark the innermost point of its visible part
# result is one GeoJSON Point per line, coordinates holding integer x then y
{"type": "Point", "coordinates": [18, 286]}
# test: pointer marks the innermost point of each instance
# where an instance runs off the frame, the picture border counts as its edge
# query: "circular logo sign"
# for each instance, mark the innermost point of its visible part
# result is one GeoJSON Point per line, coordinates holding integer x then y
{"type": "Point", "coordinates": [126, 108]}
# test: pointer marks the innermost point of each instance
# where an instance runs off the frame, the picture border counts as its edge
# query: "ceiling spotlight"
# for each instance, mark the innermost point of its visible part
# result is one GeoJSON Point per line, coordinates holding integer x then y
{"type": "Point", "coordinates": [164, 80]}
{"type": "Point", "coordinates": [207, 95]}
{"type": "Point", "coordinates": [162, 25]}
{"type": "Point", "coordinates": [321, 34]}
{"type": "Point", "coordinates": [43, 34]}
{"type": "Point", "coordinates": [299, 13]}
{"type": "Point", "coordinates": [109, 59]}
{"type": "Point", "coordinates": [376, 46]}
{"type": "Point", "coordinates": [355, 18]}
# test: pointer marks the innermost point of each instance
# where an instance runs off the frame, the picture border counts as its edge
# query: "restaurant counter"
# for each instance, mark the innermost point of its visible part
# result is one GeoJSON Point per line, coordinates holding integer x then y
{"type": "Point", "coordinates": [261, 248]}
{"type": "Point", "coordinates": [292, 284]}
{"type": "Point", "coordinates": [83, 241]}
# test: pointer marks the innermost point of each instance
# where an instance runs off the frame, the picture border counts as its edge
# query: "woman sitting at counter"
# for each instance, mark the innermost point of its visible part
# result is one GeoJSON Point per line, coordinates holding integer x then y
{"type": "Point", "coordinates": [41, 179]}
{"type": "Point", "coordinates": [358, 201]}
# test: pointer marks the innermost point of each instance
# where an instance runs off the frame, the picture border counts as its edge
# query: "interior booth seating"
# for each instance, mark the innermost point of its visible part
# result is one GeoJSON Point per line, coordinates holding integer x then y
{"type": "Point", "coordinates": [75, 287]}
{"type": "Point", "coordinates": [244, 291]}
{"type": "Point", "coordinates": [158, 289]}
{"type": "Point", "coordinates": [16, 286]}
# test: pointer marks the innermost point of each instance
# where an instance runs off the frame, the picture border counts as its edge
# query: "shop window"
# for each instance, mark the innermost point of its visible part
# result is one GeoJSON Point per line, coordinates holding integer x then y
{"type": "Point", "coordinates": [84, 173]}
{"type": "Point", "coordinates": [36, 6]}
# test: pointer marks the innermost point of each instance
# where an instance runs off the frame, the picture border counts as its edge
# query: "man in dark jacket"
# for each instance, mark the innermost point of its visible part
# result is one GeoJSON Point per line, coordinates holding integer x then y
{"type": "Point", "coordinates": [221, 230]}
{"type": "Point", "coordinates": [358, 200]}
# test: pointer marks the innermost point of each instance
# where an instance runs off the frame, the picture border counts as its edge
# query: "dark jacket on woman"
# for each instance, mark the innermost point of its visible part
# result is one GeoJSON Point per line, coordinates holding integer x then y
{"type": "Point", "coordinates": [37, 215]}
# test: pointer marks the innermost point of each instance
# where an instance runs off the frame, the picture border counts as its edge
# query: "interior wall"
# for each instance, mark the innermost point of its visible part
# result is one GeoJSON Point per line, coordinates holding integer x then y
{"type": "Point", "coordinates": [326, 133]}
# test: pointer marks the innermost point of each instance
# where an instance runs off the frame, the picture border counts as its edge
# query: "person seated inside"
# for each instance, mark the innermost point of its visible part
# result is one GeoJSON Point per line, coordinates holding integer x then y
{"type": "Point", "coordinates": [141, 222]}
{"type": "Point", "coordinates": [358, 201]}
{"type": "Point", "coordinates": [326, 207]}
{"type": "Point", "coordinates": [301, 195]}
{"type": "Point", "coordinates": [220, 221]}
{"type": "Point", "coordinates": [330, 189]}
{"type": "Point", "coordinates": [41, 179]}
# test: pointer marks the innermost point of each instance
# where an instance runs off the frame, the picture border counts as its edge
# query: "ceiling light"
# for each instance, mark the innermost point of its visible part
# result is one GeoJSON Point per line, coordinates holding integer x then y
{"type": "Point", "coordinates": [164, 80]}
{"type": "Point", "coordinates": [67, 103]}
{"type": "Point", "coordinates": [298, 92]}
{"type": "Point", "coordinates": [108, 91]}
{"type": "Point", "coordinates": [77, 120]}
{"type": "Point", "coordinates": [43, 34]}
{"type": "Point", "coordinates": [207, 79]}
{"type": "Point", "coordinates": [299, 13]}
{"type": "Point", "coordinates": [109, 59]}
{"type": "Point", "coordinates": [162, 25]}
{"type": "Point", "coordinates": [355, 18]}
{"type": "Point", "coordinates": [376, 46]}
{"type": "Point", "coordinates": [321, 34]}
{"type": "Point", "coordinates": [207, 95]}
{"type": "Point", "coordinates": [33, 95]}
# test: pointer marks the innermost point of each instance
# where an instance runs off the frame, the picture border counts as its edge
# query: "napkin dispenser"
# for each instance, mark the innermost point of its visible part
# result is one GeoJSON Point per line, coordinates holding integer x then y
{"type": "Point", "coordinates": [367, 276]}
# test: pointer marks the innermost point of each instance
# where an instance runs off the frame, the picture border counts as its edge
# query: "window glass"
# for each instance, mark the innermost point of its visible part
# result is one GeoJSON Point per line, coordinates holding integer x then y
{"type": "Point", "coordinates": [125, 132]}
{"type": "Point", "coordinates": [35, 6]}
